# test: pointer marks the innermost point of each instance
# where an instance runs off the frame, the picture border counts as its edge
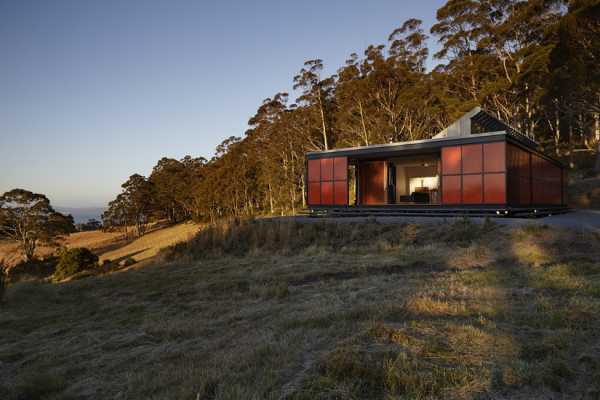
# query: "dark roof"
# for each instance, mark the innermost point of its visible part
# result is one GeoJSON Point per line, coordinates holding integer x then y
{"type": "Point", "coordinates": [427, 146]}
{"type": "Point", "coordinates": [413, 147]}
{"type": "Point", "coordinates": [493, 124]}
{"type": "Point", "coordinates": [459, 132]}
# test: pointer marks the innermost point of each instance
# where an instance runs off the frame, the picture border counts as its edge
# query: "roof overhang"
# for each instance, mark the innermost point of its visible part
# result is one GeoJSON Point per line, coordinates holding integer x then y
{"type": "Point", "coordinates": [406, 148]}
{"type": "Point", "coordinates": [427, 146]}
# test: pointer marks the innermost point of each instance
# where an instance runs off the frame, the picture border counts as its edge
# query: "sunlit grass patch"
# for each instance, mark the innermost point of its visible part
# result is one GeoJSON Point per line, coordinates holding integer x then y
{"type": "Point", "coordinates": [558, 276]}
{"type": "Point", "coordinates": [426, 306]}
{"type": "Point", "coordinates": [412, 377]}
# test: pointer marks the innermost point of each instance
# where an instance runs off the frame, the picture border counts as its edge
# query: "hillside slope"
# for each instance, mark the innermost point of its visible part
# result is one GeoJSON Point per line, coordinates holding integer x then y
{"type": "Point", "coordinates": [112, 245]}
{"type": "Point", "coordinates": [276, 310]}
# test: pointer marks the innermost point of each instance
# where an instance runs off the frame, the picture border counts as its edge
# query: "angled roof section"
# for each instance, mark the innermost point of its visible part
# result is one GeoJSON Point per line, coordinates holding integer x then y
{"type": "Point", "coordinates": [487, 128]}
{"type": "Point", "coordinates": [463, 127]}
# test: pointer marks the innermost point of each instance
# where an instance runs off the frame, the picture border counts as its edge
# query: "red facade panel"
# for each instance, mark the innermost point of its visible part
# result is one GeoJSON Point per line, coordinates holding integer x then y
{"type": "Point", "coordinates": [524, 164]}
{"type": "Point", "coordinates": [519, 175]}
{"type": "Point", "coordinates": [451, 189]}
{"type": "Point", "coordinates": [472, 189]}
{"type": "Point", "coordinates": [314, 170]}
{"type": "Point", "coordinates": [472, 159]}
{"type": "Point", "coordinates": [340, 193]}
{"type": "Point", "coordinates": [326, 169]}
{"type": "Point", "coordinates": [495, 188]}
{"type": "Point", "coordinates": [328, 181]}
{"type": "Point", "coordinates": [524, 194]}
{"type": "Point", "coordinates": [451, 160]}
{"type": "Point", "coordinates": [372, 183]}
{"type": "Point", "coordinates": [546, 182]}
{"type": "Point", "coordinates": [314, 193]}
{"type": "Point", "coordinates": [340, 169]}
{"type": "Point", "coordinates": [327, 193]}
{"type": "Point", "coordinates": [494, 157]}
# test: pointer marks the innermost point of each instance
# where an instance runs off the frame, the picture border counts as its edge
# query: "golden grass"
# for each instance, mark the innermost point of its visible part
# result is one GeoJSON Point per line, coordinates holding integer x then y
{"type": "Point", "coordinates": [305, 312]}
{"type": "Point", "coordinates": [111, 246]}
{"type": "Point", "coordinates": [94, 240]}
{"type": "Point", "coordinates": [151, 243]}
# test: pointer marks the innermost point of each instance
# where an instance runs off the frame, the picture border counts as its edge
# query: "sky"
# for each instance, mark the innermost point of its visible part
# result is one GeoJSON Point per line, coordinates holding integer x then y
{"type": "Point", "coordinates": [94, 91]}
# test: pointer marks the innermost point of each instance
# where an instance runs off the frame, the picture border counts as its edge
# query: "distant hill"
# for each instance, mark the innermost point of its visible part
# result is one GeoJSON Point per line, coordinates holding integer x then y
{"type": "Point", "coordinates": [82, 214]}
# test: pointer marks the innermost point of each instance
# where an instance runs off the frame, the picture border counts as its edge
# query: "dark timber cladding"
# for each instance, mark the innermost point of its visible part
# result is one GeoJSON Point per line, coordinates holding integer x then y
{"type": "Point", "coordinates": [478, 161]}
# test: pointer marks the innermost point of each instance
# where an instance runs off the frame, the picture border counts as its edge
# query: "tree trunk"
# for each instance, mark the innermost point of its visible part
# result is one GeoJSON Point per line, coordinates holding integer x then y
{"type": "Point", "coordinates": [364, 126]}
{"type": "Point", "coordinates": [271, 199]}
{"type": "Point", "coordinates": [324, 129]}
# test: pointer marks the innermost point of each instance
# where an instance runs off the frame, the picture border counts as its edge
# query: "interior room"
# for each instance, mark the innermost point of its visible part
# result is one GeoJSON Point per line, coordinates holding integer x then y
{"type": "Point", "coordinates": [414, 180]}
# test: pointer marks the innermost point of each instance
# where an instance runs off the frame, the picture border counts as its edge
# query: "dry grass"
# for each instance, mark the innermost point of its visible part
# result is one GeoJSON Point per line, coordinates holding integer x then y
{"type": "Point", "coordinates": [150, 244]}
{"type": "Point", "coordinates": [109, 246]}
{"type": "Point", "coordinates": [270, 310]}
{"type": "Point", "coordinates": [96, 241]}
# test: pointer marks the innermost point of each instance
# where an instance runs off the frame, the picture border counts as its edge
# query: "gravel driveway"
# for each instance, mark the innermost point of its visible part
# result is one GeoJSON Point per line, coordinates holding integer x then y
{"type": "Point", "coordinates": [585, 219]}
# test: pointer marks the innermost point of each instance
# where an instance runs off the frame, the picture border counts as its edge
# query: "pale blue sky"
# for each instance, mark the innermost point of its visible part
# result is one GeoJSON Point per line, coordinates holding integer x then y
{"type": "Point", "coordinates": [94, 91]}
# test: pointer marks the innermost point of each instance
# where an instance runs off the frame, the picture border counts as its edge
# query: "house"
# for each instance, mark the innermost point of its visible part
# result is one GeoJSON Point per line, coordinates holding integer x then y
{"type": "Point", "coordinates": [479, 165]}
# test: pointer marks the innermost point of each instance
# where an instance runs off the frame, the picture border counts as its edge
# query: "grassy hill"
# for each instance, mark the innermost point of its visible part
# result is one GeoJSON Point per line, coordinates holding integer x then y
{"type": "Point", "coordinates": [275, 309]}
{"type": "Point", "coordinates": [112, 245]}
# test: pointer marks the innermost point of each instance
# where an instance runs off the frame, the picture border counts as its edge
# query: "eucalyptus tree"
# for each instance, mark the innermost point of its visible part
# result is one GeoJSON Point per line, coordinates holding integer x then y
{"type": "Point", "coordinates": [28, 219]}
{"type": "Point", "coordinates": [316, 96]}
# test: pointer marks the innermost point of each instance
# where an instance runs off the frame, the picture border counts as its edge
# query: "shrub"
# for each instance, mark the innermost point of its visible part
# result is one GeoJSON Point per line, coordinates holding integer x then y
{"type": "Point", "coordinates": [72, 261]}
{"type": "Point", "coordinates": [32, 270]}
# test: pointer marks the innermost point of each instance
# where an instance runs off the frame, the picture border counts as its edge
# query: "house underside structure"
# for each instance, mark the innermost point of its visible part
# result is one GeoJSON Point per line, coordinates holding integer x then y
{"type": "Point", "coordinates": [477, 166]}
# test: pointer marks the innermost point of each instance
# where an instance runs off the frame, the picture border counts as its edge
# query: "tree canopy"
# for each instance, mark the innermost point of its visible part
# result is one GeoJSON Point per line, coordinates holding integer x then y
{"type": "Point", "coordinates": [532, 63]}
{"type": "Point", "coordinates": [28, 218]}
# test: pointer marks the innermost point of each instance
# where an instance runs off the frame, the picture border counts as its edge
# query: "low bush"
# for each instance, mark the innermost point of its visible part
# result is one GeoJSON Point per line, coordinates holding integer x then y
{"type": "Point", "coordinates": [32, 270]}
{"type": "Point", "coordinates": [72, 261]}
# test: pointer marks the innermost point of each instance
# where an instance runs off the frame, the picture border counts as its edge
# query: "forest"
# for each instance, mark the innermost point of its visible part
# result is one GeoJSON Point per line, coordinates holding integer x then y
{"type": "Point", "coordinates": [534, 64]}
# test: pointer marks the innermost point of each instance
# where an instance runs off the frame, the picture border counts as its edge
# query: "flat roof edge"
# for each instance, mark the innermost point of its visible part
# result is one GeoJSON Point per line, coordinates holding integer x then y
{"type": "Point", "coordinates": [407, 145]}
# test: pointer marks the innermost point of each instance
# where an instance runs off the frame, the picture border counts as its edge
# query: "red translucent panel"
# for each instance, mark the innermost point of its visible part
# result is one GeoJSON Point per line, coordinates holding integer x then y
{"type": "Point", "coordinates": [326, 169]}
{"type": "Point", "coordinates": [314, 193]}
{"type": "Point", "coordinates": [524, 188]}
{"type": "Point", "coordinates": [451, 189]}
{"type": "Point", "coordinates": [538, 191]}
{"type": "Point", "coordinates": [314, 170]}
{"type": "Point", "coordinates": [340, 170]}
{"type": "Point", "coordinates": [524, 163]}
{"type": "Point", "coordinates": [494, 157]}
{"type": "Point", "coordinates": [472, 159]}
{"type": "Point", "coordinates": [451, 160]}
{"type": "Point", "coordinates": [327, 193]}
{"type": "Point", "coordinates": [340, 189]}
{"type": "Point", "coordinates": [494, 188]}
{"type": "Point", "coordinates": [472, 192]}
{"type": "Point", "coordinates": [554, 172]}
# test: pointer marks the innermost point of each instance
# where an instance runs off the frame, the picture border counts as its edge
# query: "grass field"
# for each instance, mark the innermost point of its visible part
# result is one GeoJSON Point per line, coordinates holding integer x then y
{"type": "Point", "coordinates": [276, 310]}
{"type": "Point", "coordinates": [112, 245]}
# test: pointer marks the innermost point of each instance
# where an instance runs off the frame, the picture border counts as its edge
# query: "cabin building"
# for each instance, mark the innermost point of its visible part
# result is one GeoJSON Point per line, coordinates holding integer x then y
{"type": "Point", "coordinates": [478, 165]}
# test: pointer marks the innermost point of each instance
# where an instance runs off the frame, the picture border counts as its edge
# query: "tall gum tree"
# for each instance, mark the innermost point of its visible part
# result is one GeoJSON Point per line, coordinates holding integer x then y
{"type": "Point", "coordinates": [28, 219]}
